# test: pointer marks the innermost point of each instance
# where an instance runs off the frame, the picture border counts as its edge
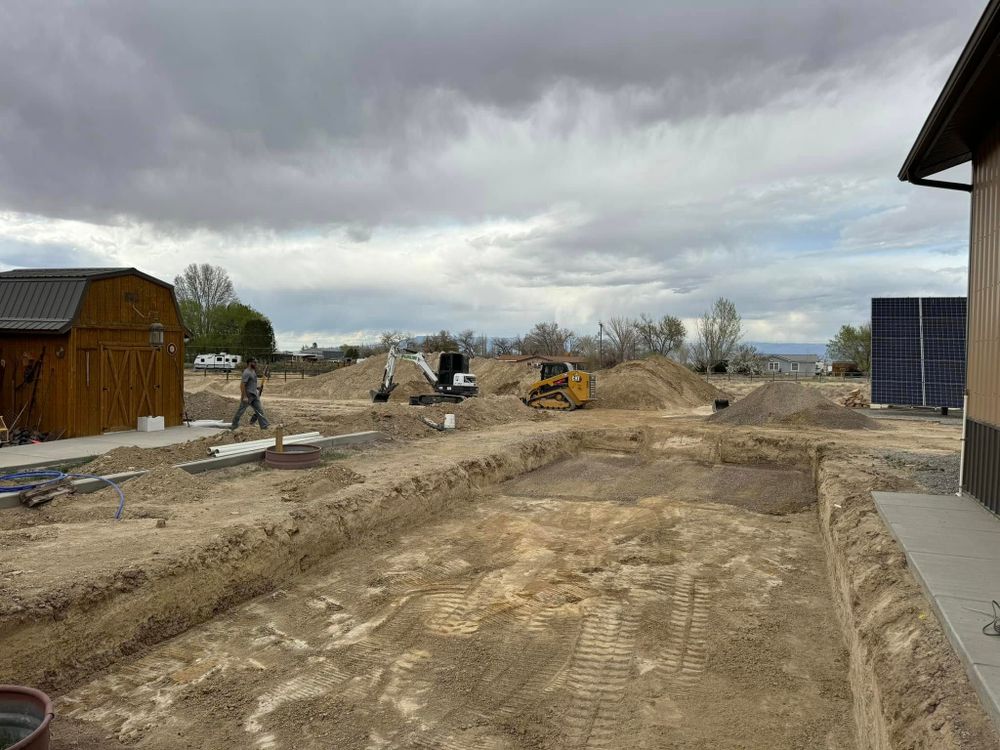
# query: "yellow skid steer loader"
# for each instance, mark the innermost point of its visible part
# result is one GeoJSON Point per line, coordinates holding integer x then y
{"type": "Point", "coordinates": [562, 387]}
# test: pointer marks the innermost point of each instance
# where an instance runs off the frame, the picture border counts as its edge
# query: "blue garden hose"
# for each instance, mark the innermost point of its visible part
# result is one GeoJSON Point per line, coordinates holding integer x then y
{"type": "Point", "coordinates": [55, 476]}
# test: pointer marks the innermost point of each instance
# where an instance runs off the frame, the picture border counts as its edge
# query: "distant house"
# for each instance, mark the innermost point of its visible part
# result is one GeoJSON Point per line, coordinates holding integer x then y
{"type": "Point", "coordinates": [802, 365]}
{"type": "Point", "coordinates": [317, 353]}
{"type": "Point", "coordinates": [534, 360]}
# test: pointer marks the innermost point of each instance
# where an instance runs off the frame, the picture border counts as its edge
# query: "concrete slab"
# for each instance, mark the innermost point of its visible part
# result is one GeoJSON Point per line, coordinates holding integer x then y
{"type": "Point", "coordinates": [914, 500]}
{"type": "Point", "coordinates": [966, 617]}
{"type": "Point", "coordinates": [939, 540]}
{"type": "Point", "coordinates": [959, 576]}
{"type": "Point", "coordinates": [957, 518]}
{"type": "Point", "coordinates": [58, 452]}
{"type": "Point", "coordinates": [952, 545]}
{"type": "Point", "coordinates": [987, 682]}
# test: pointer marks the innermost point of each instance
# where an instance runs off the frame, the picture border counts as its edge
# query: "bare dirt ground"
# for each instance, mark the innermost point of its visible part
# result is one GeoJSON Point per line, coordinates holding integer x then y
{"type": "Point", "coordinates": [553, 612]}
{"type": "Point", "coordinates": [602, 578]}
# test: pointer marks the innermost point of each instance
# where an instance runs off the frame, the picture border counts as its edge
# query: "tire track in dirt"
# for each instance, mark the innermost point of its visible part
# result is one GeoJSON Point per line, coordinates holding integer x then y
{"type": "Point", "coordinates": [599, 673]}
{"type": "Point", "coordinates": [684, 656]}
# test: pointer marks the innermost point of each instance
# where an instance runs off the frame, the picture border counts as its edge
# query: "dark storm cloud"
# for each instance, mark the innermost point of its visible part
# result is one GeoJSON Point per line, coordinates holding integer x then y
{"type": "Point", "coordinates": [295, 113]}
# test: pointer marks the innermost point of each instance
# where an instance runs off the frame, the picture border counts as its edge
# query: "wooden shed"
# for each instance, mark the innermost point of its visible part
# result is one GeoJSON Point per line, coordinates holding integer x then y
{"type": "Point", "coordinates": [89, 350]}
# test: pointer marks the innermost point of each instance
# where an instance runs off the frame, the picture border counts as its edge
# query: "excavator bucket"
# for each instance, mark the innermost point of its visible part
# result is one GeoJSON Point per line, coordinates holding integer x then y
{"type": "Point", "coordinates": [380, 396]}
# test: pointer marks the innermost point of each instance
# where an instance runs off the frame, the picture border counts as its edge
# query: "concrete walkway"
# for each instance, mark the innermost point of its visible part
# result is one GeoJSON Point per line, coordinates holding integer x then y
{"type": "Point", "coordinates": [953, 547]}
{"type": "Point", "coordinates": [74, 449]}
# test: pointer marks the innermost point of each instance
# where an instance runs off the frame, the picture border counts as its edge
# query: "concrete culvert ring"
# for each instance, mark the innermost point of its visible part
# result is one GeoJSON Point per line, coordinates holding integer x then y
{"type": "Point", "coordinates": [294, 457]}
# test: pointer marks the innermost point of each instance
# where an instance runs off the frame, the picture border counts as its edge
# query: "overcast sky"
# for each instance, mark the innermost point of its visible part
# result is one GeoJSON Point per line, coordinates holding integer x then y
{"type": "Point", "coordinates": [428, 164]}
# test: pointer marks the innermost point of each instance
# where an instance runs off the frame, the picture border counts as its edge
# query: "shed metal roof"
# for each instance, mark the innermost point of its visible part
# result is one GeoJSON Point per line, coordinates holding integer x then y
{"type": "Point", "coordinates": [46, 300]}
{"type": "Point", "coordinates": [966, 107]}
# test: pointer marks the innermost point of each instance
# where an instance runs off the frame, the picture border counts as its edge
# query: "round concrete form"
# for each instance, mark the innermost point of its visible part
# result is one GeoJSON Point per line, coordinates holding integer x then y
{"type": "Point", "coordinates": [298, 456]}
{"type": "Point", "coordinates": [25, 714]}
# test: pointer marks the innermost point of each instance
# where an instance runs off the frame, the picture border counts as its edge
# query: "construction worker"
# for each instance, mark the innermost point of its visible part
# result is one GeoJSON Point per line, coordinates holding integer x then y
{"type": "Point", "coordinates": [250, 396]}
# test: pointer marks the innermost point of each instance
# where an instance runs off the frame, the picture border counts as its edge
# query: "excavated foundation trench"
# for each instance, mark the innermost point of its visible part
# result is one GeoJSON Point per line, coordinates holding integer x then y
{"type": "Point", "coordinates": [610, 599]}
{"type": "Point", "coordinates": [627, 589]}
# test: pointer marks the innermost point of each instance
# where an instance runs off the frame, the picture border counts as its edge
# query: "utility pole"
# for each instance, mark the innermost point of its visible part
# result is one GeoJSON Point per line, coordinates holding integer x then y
{"type": "Point", "coordinates": [600, 346]}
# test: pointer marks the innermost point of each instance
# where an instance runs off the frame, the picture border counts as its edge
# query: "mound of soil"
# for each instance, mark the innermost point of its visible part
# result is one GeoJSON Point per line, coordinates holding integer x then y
{"type": "Point", "coordinates": [208, 405]}
{"type": "Point", "coordinates": [653, 383]}
{"type": "Point", "coordinates": [357, 380]}
{"type": "Point", "coordinates": [320, 482]}
{"type": "Point", "coordinates": [403, 420]}
{"type": "Point", "coordinates": [788, 403]}
{"type": "Point", "coordinates": [495, 378]}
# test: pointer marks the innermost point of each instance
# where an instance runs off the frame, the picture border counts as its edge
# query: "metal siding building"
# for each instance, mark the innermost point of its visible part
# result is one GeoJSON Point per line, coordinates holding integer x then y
{"type": "Point", "coordinates": [964, 125]}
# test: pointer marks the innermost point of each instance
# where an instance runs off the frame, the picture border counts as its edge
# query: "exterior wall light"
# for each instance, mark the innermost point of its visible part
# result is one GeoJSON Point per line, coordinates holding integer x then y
{"type": "Point", "coordinates": [156, 335]}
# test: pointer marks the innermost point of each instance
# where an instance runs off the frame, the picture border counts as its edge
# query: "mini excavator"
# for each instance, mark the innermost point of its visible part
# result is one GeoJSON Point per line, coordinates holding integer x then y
{"type": "Point", "coordinates": [452, 383]}
{"type": "Point", "coordinates": [562, 387]}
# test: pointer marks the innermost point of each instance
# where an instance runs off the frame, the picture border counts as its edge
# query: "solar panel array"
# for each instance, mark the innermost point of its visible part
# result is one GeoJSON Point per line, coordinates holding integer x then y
{"type": "Point", "coordinates": [918, 351]}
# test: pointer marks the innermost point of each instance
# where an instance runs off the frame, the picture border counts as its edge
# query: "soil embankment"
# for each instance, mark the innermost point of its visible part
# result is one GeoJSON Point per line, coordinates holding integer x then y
{"type": "Point", "coordinates": [654, 383]}
{"type": "Point", "coordinates": [790, 404]}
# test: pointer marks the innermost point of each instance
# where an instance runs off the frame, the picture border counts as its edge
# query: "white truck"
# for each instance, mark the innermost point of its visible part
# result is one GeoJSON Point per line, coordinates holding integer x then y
{"type": "Point", "coordinates": [222, 361]}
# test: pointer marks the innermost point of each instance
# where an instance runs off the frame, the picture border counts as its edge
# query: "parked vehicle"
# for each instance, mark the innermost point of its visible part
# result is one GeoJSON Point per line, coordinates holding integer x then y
{"type": "Point", "coordinates": [221, 361]}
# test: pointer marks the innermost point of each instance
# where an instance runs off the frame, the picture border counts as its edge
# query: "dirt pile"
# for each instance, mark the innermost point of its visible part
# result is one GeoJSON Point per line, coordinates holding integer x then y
{"type": "Point", "coordinates": [357, 380]}
{"type": "Point", "coordinates": [403, 420]}
{"type": "Point", "coordinates": [653, 383]}
{"type": "Point", "coordinates": [320, 482]}
{"type": "Point", "coordinates": [791, 404]}
{"type": "Point", "coordinates": [208, 405]}
{"type": "Point", "coordinates": [495, 378]}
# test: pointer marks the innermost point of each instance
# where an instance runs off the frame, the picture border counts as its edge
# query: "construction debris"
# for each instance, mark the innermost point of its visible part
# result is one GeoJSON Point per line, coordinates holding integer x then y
{"type": "Point", "coordinates": [855, 399]}
{"type": "Point", "coordinates": [47, 492]}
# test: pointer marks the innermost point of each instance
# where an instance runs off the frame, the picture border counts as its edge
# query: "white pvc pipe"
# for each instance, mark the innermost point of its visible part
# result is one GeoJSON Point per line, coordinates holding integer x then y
{"type": "Point", "coordinates": [234, 448]}
{"type": "Point", "coordinates": [227, 450]}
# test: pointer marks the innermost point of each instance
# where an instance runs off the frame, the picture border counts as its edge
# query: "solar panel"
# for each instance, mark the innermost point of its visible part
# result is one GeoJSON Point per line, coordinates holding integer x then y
{"type": "Point", "coordinates": [918, 351]}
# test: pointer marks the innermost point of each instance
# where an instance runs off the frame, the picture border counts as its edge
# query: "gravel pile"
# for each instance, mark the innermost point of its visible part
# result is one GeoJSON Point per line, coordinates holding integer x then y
{"type": "Point", "coordinates": [791, 404]}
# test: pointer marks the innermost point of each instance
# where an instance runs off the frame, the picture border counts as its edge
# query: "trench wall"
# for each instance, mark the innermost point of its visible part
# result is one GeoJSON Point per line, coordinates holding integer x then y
{"type": "Point", "coordinates": [79, 633]}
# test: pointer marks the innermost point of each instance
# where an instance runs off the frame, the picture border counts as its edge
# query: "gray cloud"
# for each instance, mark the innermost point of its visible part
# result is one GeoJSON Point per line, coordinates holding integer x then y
{"type": "Point", "coordinates": [284, 114]}
{"type": "Point", "coordinates": [360, 166]}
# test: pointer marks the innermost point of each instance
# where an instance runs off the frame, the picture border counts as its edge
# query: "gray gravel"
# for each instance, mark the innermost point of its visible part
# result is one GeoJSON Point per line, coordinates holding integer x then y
{"type": "Point", "coordinates": [936, 473]}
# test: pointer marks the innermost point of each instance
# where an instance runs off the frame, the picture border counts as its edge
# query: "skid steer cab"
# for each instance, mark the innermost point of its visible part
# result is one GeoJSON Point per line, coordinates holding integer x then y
{"type": "Point", "coordinates": [452, 383]}
{"type": "Point", "coordinates": [562, 387]}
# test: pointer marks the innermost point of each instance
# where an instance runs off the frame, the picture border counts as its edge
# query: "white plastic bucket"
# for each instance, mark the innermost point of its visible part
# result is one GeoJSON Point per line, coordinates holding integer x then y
{"type": "Point", "coordinates": [449, 421]}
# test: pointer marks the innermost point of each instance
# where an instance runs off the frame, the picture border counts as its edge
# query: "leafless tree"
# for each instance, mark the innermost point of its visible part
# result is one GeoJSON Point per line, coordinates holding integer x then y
{"type": "Point", "coordinates": [588, 348]}
{"type": "Point", "coordinates": [389, 339]}
{"type": "Point", "coordinates": [719, 331]}
{"type": "Point", "coordinates": [547, 338]}
{"type": "Point", "coordinates": [661, 336]}
{"type": "Point", "coordinates": [502, 345]}
{"type": "Point", "coordinates": [442, 341]}
{"type": "Point", "coordinates": [623, 339]}
{"type": "Point", "coordinates": [467, 341]}
{"type": "Point", "coordinates": [202, 289]}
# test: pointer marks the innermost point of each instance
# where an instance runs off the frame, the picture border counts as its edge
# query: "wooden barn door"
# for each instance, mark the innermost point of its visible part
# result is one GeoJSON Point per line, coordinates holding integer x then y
{"type": "Point", "coordinates": [130, 386]}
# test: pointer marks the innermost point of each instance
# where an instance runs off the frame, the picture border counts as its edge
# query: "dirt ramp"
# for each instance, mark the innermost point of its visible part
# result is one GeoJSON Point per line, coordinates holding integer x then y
{"type": "Point", "coordinates": [791, 404]}
{"type": "Point", "coordinates": [653, 383]}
